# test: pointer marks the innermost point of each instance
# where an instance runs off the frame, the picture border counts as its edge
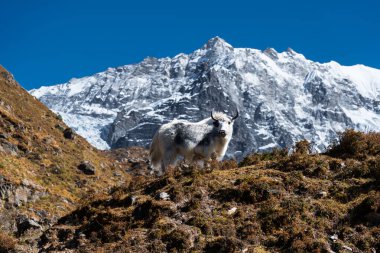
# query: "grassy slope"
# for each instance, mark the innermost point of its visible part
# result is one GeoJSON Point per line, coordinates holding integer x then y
{"type": "Point", "coordinates": [284, 203]}
{"type": "Point", "coordinates": [44, 157]}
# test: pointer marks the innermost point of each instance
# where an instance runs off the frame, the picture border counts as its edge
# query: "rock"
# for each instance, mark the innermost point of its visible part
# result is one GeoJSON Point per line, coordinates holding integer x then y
{"type": "Point", "coordinates": [55, 169]}
{"type": "Point", "coordinates": [334, 237]}
{"type": "Point", "coordinates": [33, 185]}
{"type": "Point", "coordinates": [87, 168]}
{"type": "Point", "coordinates": [3, 136]}
{"type": "Point", "coordinates": [59, 127]}
{"type": "Point", "coordinates": [21, 195]}
{"type": "Point", "coordinates": [8, 147]}
{"type": "Point", "coordinates": [42, 213]}
{"type": "Point", "coordinates": [232, 211]}
{"type": "Point", "coordinates": [117, 174]}
{"type": "Point", "coordinates": [322, 194]}
{"type": "Point", "coordinates": [34, 156]}
{"type": "Point", "coordinates": [347, 248]}
{"type": "Point", "coordinates": [68, 133]}
{"type": "Point", "coordinates": [81, 183]}
{"type": "Point", "coordinates": [164, 196]}
{"type": "Point", "coordinates": [47, 140]}
{"type": "Point", "coordinates": [24, 223]}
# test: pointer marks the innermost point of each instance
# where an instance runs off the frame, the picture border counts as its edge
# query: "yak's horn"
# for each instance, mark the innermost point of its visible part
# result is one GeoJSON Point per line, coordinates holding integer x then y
{"type": "Point", "coordinates": [237, 115]}
{"type": "Point", "coordinates": [213, 116]}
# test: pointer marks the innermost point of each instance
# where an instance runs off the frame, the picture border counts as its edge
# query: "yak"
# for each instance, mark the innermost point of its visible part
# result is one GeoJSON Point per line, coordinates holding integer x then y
{"type": "Point", "coordinates": [193, 141]}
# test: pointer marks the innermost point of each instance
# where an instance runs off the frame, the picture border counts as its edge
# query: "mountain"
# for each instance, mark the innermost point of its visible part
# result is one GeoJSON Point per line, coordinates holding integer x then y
{"type": "Point", "coordinates": [282, 97]}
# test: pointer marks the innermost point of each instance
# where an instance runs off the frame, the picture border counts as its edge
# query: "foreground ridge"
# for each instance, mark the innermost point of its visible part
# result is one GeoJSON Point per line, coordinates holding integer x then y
{"type": "Point", "coordinates": [273, 202]}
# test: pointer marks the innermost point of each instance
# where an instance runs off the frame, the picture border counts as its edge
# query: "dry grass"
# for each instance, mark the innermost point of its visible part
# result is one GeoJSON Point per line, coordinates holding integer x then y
{"type": "Point", "coordinates": [275, 202]}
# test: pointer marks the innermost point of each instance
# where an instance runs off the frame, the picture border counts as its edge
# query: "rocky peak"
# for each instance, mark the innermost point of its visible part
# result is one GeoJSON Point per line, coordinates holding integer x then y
{"type": "Point", "coordinates": [216, 44]}
{"type": "Point", "coordinates": [272, 53]}
{"type": "Point", "coordinates": [290, 51]}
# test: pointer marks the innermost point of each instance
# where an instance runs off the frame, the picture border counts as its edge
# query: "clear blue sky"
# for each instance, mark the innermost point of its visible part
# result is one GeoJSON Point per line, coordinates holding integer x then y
{"type": "Point", "coordinates": [49, 42]}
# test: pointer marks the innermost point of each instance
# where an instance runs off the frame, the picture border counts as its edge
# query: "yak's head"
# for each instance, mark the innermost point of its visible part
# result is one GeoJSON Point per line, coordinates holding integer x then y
{"type": "Point", "coordinates": [223, 124]}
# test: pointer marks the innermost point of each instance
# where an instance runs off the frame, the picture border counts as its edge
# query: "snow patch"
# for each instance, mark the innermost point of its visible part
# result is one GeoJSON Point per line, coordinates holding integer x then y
{"type": "Point", "coordinates": [88, 127]}
{"type": "Point", "coordinates": [366, 79]}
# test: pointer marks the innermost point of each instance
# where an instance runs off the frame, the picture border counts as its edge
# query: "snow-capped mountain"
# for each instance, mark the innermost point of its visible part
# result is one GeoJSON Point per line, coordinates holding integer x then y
{"type": "Point", "coordinates": [282, 97]}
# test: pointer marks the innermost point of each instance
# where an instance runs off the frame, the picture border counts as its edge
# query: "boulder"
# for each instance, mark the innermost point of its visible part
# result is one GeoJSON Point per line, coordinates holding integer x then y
{"type": "Point", "coordinates": [24, 223]}
{"type": "Point", "coordinates": [8, 147]}
{"type": "Point", "coordinates": [87, 168]}
{"type": "Point", "coordinates": [68, 133]}
{"type": "Point", "coordinates": [3, 136]}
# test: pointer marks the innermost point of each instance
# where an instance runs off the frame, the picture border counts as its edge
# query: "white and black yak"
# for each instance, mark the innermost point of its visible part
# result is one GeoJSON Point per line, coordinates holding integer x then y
{"type": "Point", "coordinates": [193, 141]}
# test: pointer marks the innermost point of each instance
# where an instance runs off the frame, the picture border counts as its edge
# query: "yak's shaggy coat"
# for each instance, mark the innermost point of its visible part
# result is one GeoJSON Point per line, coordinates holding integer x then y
{"type": "Point", "coordinates": [192, 141]}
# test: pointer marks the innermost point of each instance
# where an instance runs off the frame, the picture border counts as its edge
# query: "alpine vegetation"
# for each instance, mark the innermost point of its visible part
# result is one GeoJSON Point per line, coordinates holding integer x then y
{"type": "Point", "coordinates": [193, 141]}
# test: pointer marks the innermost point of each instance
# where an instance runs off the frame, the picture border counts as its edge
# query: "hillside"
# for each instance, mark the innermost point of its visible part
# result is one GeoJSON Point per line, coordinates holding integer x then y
{"type": "Point", "coordinates": [39, 175]}
{"type": "Point", "coordinates": [283, 97]}
{"type": "Point", "coordinates": [273, 202]}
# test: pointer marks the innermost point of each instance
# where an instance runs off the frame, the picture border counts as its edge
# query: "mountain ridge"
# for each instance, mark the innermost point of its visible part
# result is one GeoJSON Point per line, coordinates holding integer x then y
{"type": "Point", "coordinates": [283, 97]}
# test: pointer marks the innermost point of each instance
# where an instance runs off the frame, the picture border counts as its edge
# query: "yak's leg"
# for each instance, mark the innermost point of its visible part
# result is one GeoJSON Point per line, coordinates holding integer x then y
{"type": "Point", "coordinates": [155, 155]}
{"type": "Point", "coordinates": [156, 165]}
{"type": "Point", "coordinates": [188, 158]}
{"type": "Point", "coordinates": [168, 159]}
{"type": "Point", "coordinates": [198, 160]}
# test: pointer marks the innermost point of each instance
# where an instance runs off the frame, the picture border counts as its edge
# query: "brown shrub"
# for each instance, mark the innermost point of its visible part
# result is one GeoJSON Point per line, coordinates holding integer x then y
{"type": "Point", "coordinates": [368, 211]}
{"type": "Point", "coordinates": [336, 165]}
{"type": "Point", "coordinates": [354, 144]}
{"type": "Point", "coordinates": [354, 169]}
{"type": "Point", "coordinates": [313, 166]}
{"type": "Point", "coordinates": [297, 239]}
{"type": "Point", "coordinates": [374, 168]}
{"type": "Point", "coordinates": [228, 164]}
{"type": "Point", "coordinates": [179, 239]}
{"type": "Point", "coordinates": [272, 218]}
{"type": "Point", "coordinates": [303, 147]}
{"type": "Point", "coordinates": [255, 158]}
{"type": "Point", "coordinates": [7, 243]}
{"type": "Point", "coordinates": [247, 192]}
{"type": "Point", "coordinates": [224, 245]}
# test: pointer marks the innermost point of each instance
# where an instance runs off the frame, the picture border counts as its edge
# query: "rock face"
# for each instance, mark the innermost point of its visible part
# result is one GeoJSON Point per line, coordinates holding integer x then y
{"type": "Point", "coordinates": [282, 97]}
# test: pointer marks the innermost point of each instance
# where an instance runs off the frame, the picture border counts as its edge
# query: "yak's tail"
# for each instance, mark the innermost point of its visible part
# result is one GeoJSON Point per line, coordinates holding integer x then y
{"type": "Point", "coordinates": [155, 153]}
